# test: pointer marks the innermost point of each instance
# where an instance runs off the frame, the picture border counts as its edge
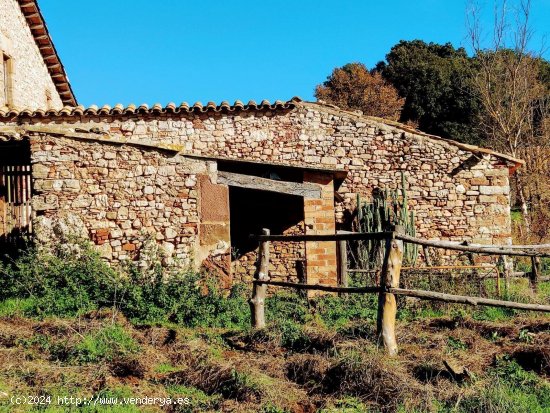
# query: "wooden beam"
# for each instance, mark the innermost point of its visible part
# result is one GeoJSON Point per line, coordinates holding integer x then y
{"type": "Point", "coordinates": [421, 294]}
{"type": "Point", "coordinates": [306, 189]}
{"type": "Point", "coordinates": [463, 299]}
{"type": "Point", "coordinates": [488, 249]}
{"type": "Point", "coordinates": [325, 237]}
{"type": "Point", "coordinates": [319, 287]}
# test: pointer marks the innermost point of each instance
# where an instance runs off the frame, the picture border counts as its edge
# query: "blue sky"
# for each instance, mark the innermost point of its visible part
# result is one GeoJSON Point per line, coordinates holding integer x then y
{"type": "Point", "coordinates": [145, 51]}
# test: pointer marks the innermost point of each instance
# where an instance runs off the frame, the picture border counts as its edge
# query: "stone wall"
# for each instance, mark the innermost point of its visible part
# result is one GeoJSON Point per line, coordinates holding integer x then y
{"type": "Point", "coordinates": [31, 81]}
{"type": "Point", "coordinates": [126, 196]}
{"type": "Point", "coordinates": [456, 194]}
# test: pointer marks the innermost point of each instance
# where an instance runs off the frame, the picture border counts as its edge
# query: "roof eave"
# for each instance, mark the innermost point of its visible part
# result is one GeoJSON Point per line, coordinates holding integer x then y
{"type": "Point", "coordinates": [39, 30]}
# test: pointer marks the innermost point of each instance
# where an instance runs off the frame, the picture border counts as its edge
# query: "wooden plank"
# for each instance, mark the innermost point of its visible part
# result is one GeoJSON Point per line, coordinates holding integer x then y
{"type": "Point", "coordinates": [325, 237]}
{"type": "Point", "coordinates": [490, 249]}
{"type": "Point", "coordinates": [306, 189]}
{"type": "Point", "coordinates": [463, 299]}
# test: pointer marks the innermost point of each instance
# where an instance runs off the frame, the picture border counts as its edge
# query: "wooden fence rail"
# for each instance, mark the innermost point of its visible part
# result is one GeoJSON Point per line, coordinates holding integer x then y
{"type": "Point", "coordinates": [389, 279]}
{"type": "Point", "coordinates": [421, 294]}
{"type": "Point", "coordinates": [479, 249]}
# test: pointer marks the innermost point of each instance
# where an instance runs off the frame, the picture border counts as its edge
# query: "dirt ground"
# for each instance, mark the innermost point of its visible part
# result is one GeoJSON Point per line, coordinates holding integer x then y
{"type": "Point", "coordinates": [440, 359]}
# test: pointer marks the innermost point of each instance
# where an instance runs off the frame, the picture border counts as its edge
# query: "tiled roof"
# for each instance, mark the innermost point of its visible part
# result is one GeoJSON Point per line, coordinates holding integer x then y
{"type": "Point", "coordinates": [225, 107]}
{"type": "Point", "coordinates": [34, 18]}
{"type": "Point", "coordinates": [157, 108]}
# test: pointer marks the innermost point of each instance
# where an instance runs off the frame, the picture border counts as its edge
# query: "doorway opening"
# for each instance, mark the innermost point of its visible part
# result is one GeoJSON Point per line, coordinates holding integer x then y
{"type": "Point", "coordinates": [15, 195]}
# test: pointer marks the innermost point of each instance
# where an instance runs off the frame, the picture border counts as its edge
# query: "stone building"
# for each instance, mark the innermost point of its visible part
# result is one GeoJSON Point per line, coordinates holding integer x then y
{"type": "Point", "coordinates": [195, 181]}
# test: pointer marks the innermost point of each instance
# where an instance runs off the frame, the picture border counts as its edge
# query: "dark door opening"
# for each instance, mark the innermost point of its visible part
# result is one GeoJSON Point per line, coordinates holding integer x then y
{"type": "Point", "coordinates": [251, 210]}
{"type": "Point", "coordinates": [15, 194]}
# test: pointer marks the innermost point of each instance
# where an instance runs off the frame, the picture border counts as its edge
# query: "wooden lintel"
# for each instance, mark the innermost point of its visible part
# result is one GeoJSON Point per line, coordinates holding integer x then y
{"type": "Point", "coordinates": [306, 189]}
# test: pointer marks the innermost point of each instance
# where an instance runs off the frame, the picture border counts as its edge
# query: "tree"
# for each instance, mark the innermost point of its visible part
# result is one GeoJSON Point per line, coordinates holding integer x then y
{"type": "Point", "coordinates": [434, 79]}
{"type": "Point", "coordinates": [354, 87]}
{"type": "Point", "coordinates": [510, 84]}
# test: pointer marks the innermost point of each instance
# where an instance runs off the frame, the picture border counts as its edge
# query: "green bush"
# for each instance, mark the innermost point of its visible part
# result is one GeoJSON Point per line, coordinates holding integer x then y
{"type": "Point", "coordinates": [337, 311]}
{"type": "Point", "coordinates": [183, 298]}
{"type": "Point", "coordinates": [60, 283]}
{"type": "Point", "coordinates": [287, 306]}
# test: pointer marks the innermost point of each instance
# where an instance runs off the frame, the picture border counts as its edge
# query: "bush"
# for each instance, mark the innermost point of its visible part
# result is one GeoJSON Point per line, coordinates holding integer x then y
{"type": "Point", "coordinates": [183, 298]}
{"type": "Point", "coordinates": [60, 283]}
{"type": "Point", "coordinates": [338, 311]}
{"type": "Point", "coordinates": [63, 284]}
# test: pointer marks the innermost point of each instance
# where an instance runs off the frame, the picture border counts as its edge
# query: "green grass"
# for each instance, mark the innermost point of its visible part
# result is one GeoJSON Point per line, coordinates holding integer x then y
{"type": "Point", "coordinates": [15, 306]}
{"type": "Point", "coordinates": [165, 368]}
{"type": "Point", "coordinates": [105, 344]}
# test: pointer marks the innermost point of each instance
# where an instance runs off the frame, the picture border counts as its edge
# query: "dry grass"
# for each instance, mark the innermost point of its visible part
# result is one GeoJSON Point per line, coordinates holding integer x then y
{"type": "Point", "coordinates": [247, 371]}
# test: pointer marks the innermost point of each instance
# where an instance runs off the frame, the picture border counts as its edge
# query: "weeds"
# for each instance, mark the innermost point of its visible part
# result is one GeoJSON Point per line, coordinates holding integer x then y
{"type": "Point", "coordinates": [105, 344]}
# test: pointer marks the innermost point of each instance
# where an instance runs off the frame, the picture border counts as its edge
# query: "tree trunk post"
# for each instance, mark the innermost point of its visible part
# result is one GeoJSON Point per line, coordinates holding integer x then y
{"type": "Point", "coordinates": [497, 270]}
{"type": "Point", "coordinates": [342, 263]}
{"type": "Point", "coordinates": [387, 304]}
{"type": "Point", "coordinates": [535, 272]}
{"type": "Point", "coordinates": [427, 257]}
{"type": "Point", "coordinates": [505, 267]}
{"type": "Point", "coordinates": [257, 300]}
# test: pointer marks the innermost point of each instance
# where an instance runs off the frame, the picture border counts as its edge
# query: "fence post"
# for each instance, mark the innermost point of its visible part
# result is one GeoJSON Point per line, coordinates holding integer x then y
{"type": "Point", "coordinates": [508, 268]}
{"type": "Point", "coordinates": [427, 257]}
{"type": "Point", "coordinates": [498, 280]}
{"type": "Point", "coordinates": [535, 272]}
{"type": "Point", "coordinates": [342, 261]}
{"type": "Point", "coordinates": [387, 305]}
{"type": "Point", "coordinates": [257, 300]}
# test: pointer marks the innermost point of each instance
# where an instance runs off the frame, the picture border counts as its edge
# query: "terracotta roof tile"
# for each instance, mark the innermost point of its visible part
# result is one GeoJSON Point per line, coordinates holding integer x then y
{"type": "Point", "coordinates": [157, 108]}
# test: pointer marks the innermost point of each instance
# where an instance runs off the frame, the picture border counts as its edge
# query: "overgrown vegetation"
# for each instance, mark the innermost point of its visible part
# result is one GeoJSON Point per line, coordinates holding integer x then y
{"type": "Point", "coordinates": [72, 326]}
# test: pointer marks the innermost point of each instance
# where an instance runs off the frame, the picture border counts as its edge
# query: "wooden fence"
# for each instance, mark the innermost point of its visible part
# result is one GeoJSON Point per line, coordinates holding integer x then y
{"type": "Point", "coordinates": [388, 287]}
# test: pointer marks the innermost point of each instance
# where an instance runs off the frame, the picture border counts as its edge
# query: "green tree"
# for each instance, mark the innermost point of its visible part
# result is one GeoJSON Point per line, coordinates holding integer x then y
{"type": "Point", "coordinates": [435, 81]}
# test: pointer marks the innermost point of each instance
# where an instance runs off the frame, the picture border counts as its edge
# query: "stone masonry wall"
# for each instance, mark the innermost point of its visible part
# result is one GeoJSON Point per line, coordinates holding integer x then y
{"type": "Point", "coordinates": [31, 80]}
{"type": "Point", "coordinates": [455, 193]}
{"type": "Point", "coordinates": [126, 196]}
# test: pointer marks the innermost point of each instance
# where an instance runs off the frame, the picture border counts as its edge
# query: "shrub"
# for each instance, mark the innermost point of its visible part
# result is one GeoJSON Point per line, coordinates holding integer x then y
{"type": "Point", "coordinates": [337, 311]}
{"type": "Point", "coordinates": [287, 306]}
{"type": "Point", "coordinates": [60, 283]}
{"type": "Point", "coordinates": [63, 284]}
{"type": "Point", "coordinates": [183, 298]}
